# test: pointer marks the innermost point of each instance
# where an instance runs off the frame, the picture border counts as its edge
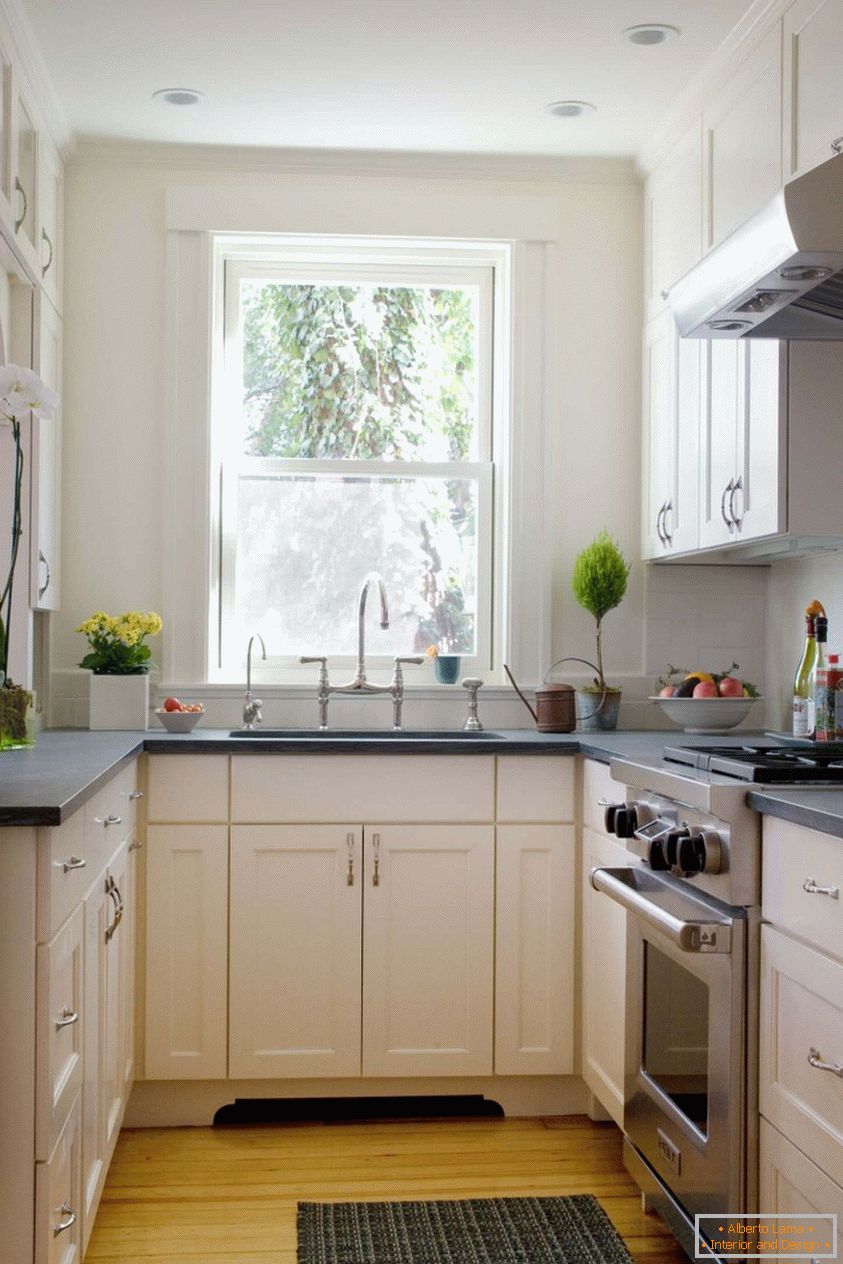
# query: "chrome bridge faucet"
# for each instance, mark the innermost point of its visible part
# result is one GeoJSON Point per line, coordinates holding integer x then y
{"type": "Point", "coordinates": [252, 706]}
{"type": "Point", "coordinates": [360, 683]}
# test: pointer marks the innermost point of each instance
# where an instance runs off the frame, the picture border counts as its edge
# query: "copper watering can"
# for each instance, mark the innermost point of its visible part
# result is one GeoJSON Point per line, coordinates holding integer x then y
{"type": "Point", "coordinates": [555, 711]}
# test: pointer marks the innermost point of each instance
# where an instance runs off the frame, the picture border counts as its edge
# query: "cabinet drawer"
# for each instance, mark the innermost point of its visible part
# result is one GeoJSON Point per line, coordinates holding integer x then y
{"type": "Point", "coordinates": [802, 1019]}
{"type": "Point", "coordinates": [278, 788]}
{"type": "Point", "coordinates": [189, 788]}
{"type": "Point", "coordinates": [597, 784]}
{"type": "Point", "coordinates": [105, 825]}
{"type": "Point", "coordinates": [65, 871]}
{"type": "Point", "coordinates": [789, 1183]}
{"type": "Point", "coordinates": [793, 857]}
{"type": "Point", "coordinates": [535, 787]}
{"type": "Point", "coordinates": [58, 1198]}
{"type": "Point", "coordinates": [58, 1032]}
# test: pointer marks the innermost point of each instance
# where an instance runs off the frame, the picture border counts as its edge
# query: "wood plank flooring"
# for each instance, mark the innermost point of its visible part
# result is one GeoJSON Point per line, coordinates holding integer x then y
{"type": "Point", "coordinates": [228, 1195]}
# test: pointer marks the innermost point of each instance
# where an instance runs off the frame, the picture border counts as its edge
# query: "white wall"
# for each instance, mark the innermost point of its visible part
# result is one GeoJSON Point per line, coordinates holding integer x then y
{"type": "Point", "coordinates": [115, 399]}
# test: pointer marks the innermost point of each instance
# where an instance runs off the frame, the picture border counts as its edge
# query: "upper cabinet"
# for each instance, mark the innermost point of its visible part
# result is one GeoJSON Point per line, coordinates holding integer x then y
{"type": "Point", "coordinates": [23, 189]}
{"type": "Point", "coordinates": [742, 141]}
{"type": "Point", "coordinates": [673, 210]}
{"type": "Point", "coordinates": [50, 222]}
{"type": "Point", "coordinates": [45, 468]}
{"type": "Point", "coordinates": [813, 101]}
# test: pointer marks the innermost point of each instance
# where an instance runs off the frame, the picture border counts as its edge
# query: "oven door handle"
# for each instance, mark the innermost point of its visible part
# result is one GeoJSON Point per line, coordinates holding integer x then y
{"type": "Point", "coordinates": [690, 936]}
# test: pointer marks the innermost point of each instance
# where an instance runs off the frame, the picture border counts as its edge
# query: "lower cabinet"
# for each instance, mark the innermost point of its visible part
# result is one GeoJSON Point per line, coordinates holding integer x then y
{"type": "Point", "coordinates": [58, 1197]}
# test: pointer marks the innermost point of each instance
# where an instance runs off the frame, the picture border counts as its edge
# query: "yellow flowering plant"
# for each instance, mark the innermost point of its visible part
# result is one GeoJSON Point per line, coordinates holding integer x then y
{"type": "Point", "coordinates": [117, 643]}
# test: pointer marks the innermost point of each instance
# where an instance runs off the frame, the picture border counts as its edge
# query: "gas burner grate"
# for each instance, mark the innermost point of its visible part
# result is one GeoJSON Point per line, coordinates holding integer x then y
{"type": "Point", "coordinates": [768, 764]}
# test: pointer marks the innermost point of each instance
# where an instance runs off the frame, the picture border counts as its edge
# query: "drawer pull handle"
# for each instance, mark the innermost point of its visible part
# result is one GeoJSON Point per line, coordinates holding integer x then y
{"type": "Point", "coordinates": [134, 845]}
{"type": "Point", "coordinates": [69, 1219]}
{"type": "Point", "coordinates": [816, 1060]}
{"type": "Point", "coordinates": [349, 878]}
{"type": "Point", "coordinates": [135, 794]}
{"type": "Point", "coordinates": [66, 1018]}
{"type": "Point", "coordinates": [811, 887]}
{"type": "Point", "coordinates": [376, 848]}
{"type": "Point", "coordinates": [112, 890]}
{"type": "Point", "coordinates": [111, 819]}
{"type": "Point", "coordinates": [75, 862]}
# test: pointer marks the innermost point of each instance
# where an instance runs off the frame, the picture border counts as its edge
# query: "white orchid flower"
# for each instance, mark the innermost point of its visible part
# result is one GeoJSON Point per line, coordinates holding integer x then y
{"type": "Point", "coordinates": [22, 391]}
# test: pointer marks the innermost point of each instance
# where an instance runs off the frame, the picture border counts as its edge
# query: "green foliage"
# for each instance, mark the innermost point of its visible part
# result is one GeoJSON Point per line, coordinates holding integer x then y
{"type": "Point", "coordinates": [600, 575]}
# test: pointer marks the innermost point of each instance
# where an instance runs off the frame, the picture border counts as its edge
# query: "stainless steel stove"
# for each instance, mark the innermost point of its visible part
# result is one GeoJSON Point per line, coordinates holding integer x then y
{"type": "Point", "coordinates": [769, 765]}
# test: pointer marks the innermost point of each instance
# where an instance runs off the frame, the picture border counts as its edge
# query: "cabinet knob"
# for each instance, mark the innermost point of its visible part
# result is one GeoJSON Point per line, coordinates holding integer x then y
{"type": "Point", "coordinates": [69, 1219]}
{"type": "Point", "coordinates": [135, 794]}
{"type": "Point", "coordinates": [66, 1018]}
{"type": "Point", "coordinates": [111, 819]}
{"type": "Point", "coordinates": [837, 144]}
{"type": "Point", "coordinates": [74, 862]}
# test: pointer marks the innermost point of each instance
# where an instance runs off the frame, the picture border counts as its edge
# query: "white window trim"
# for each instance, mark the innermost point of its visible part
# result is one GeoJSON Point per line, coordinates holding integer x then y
{"type": "Point", "coordinates": [522, 597]}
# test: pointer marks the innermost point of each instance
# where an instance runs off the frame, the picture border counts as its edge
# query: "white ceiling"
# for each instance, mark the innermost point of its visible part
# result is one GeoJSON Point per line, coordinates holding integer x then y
{"type": "Point", "coordinates": [434, 75]}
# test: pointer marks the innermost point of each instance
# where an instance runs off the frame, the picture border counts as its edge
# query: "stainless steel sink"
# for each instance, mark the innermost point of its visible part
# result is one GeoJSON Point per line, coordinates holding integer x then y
{"type": "Point", "coordinates": [372, 735]}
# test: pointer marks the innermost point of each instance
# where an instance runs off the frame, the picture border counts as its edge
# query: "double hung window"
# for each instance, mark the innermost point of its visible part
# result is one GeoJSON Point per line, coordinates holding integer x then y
{"type": "Point", "coordinates": [353, 432]}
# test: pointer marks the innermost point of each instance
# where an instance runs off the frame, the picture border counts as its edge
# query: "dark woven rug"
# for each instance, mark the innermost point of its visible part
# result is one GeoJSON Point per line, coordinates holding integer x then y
{"type": "Point", "coordinates": [572, 1230]}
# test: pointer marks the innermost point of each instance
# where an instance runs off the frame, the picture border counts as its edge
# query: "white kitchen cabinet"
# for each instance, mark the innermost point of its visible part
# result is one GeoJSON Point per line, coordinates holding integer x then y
{"type": "Point", "coordinates": [534, 948]}
{"type": "Point", "coordinates": [23, 189]}
{"type": "Point", "coordinates": [50, 228]}
{"type": "Point", "coordinates": [107, 1004]}
{"type": "Point", "coordinates": [742, 141]}
{"type": "Point", "coordinates": [45, 473]}
{"type": "Point", "coordinates": [603, 985]}
{"type": "Point", "coordinates": [743, 448]}
{"type": "Point", "coordinates": [187, 951]}
{"type": "Point", "coordinates": [813, 102]}
{"type": "Point", "coordinates": [295, 965]}
{"type": "Point", "coordinates": [673, 218]}
{"type": "Point", "coordinates": [58, 1198]}
{"type": "Point", "coordinates": [671, 409]}
{"type": "Point", "coordinates": [428, 950]}
{"type": "Point", "coordinates": [790, 1184]}
{"type": "Point", "coordinates": [59, 1013]}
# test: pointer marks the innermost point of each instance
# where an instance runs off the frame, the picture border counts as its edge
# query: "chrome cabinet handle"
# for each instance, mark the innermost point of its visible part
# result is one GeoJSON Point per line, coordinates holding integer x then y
{"type": "Point", "coordinates": [135, 794]}
{"type": "Point", "coordinates": [738, 487]}
{"type": "Point", "coordinates": [659, 531]}
{"type": "Point", "coordinates": [815, 1059]}
{"type": "Point", "coordinates": [812, 888]}
{"type": "Point", "coordinates": [74, 862]}
{"type": "Point", "coordinates": [66, 1018]}
{"type": "Point", "coordinates": [730, 487]}
{"type": "Point", "coordinates": [349, 877]}
{"type": "Point", "coordinates": [22, 191]}
{"type": "Point", "coordinates": [69, 1219]}
{"type": "Point", "coordinates": [376, 848]}
{"type": "Point", "coordinates": [134, 845]}
{"type": "Point", "coordinates": [111, 819]}
{"type": "Point", "coordinates": [45, 267]}
{"type": "Point", "coordinates": [43, 588]}
{"type": "Point", "coordinates": [668, 509]}
{"type": "Point", "coordinates": [837, 144]}
{"type": "Point", "coordinates": [113, 891]}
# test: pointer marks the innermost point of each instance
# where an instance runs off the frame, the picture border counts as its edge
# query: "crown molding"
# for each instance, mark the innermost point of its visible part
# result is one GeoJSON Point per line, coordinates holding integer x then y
{"type": "Point", "coordinates": [30, 60]}
{"type": "Point", "coordinates": [377, 163]}
{"type": "Point", "coordinates": [687, 107]}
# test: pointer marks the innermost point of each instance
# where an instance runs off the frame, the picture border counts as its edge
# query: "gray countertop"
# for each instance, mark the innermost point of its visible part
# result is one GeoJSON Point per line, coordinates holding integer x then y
{"type": "Point", "coordinates": [45, 785]}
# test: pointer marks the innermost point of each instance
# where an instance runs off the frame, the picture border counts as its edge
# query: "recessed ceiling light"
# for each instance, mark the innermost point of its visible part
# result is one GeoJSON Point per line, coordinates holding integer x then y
{"type": "Point", "coordinates": [651, 33]}
{"type": "Point", "coordinates": [571, 109]}
{"type": "Point", "coordinates": [178, 96]}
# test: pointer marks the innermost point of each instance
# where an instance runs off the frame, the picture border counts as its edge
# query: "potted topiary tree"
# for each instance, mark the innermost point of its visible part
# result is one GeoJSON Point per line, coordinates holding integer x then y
{"type": "Point", "coordinates": [599, 584]}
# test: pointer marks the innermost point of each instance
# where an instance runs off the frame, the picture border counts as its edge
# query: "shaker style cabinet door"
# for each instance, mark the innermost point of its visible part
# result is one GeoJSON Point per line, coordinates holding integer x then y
{"type": "Point", "coordinates": [294, 982]}
{"type": "Point", "coordinates": [186, 951]}
{"type": "Point", "coordinates": [45, 507]}
{"type": "Point", "coordinates": [428, 950]}
{"type": "Point", "coordinates": [670, 440]}
{"type": "Point", "coordinates": [813, 102]}
{"type": "Point", "coordinates": [673, 218]}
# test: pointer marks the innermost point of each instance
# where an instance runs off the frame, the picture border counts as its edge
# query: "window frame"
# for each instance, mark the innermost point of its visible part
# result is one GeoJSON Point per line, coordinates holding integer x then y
{"type": "Point", "coordinates": [383, 261]}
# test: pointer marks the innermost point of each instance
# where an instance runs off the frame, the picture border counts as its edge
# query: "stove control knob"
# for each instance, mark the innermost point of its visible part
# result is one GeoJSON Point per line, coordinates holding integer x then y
{"type": "Point", "coordinates": [626, 821]}
{"type": "Point", "coordinates": [655, 857]}
{"type": "Point", "coordinates": [689, 854]}
{"type": "Point", "coordinates": [610, 814]}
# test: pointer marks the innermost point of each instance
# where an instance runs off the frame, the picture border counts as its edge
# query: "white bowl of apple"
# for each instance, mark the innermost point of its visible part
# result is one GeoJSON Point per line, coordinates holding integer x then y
{"type": "Point", "coordinates": [179, 717]}
{"type": "Point", "coordinates": [706, 702]}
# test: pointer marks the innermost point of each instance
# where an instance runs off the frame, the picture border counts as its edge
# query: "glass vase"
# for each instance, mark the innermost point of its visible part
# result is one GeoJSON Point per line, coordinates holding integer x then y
{"type": "Point", "coordinates": [17, 718]}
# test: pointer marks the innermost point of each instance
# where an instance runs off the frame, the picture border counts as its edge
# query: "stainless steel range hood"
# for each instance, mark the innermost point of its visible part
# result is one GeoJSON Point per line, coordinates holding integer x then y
{"type": "Point", "coordinates": [778, 276]}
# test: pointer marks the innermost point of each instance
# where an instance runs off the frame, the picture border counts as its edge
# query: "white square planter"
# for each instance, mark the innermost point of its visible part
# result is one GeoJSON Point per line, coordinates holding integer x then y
{"type": "Point", "coordinates": [119, 702]}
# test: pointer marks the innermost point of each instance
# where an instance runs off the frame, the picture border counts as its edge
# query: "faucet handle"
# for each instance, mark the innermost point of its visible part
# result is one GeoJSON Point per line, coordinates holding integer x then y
{"type": "Point", "coordinates": [316, 658]}
{"type": "Point", "coordinates": [418, 659]}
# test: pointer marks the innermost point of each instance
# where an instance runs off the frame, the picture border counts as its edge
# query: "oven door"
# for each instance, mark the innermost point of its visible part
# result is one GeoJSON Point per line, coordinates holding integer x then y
{"type": "Point", "coordinates": [685, 1111]}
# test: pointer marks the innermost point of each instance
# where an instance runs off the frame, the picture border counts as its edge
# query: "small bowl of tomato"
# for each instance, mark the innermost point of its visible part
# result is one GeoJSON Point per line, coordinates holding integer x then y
{"type": "Point", "coordinates": [179, 717]}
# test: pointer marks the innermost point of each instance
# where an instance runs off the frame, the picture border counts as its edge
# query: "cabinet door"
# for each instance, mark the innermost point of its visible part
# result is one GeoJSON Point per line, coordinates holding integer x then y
{"type": "Point", "coordinates": [813, 103]}
{"type": "Point", "coordinates": [534, 950]}
{"type": "Point", "coordinates": [790, 1184]}
{"type": "Point", "coordinates": [742, 141]}
{"type": "Point", "coordinates": [723, 395]}
{"type": "Point", "coordinates": [759, 505]}
{"type": "Point", "coordinates": [51, 211]}
{"type": "Point", "coordinates": [45, 504]}
{"type": "Point", "coordinates": [186, 951]}
{"type": "Point", "coordinates": [23, 189]}
{"type": "Point", "coordinates": [58, 1198]}
{"type": "Point", "coordinates": [103, 1101]}
{"type": "Point", "coordinates": [603, 978]}
{"type": "Point", "coordinates": [673, 210]}
{"type": "Point", "coordinates": [428, 949]}
{"type": "Point", "coordinates": [126, 1062]}
{"type": "Point", "coordinates": [60, 1024]}
{"type": "Point", "coordinates": [294, 982]}
{"type": "Point", "coordinates": [670, 440]}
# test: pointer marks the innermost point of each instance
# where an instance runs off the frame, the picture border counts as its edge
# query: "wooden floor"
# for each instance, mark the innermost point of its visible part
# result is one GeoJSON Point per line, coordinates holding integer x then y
{"type": "Point", "coordinates": [228, 1195]}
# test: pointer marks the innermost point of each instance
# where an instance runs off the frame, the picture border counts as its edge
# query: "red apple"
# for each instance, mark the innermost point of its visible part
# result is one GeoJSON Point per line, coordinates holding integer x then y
{"type": "Point", "coordinates": [730, 687]}
{"type": "Point", "coordinates": [705, 689]}
{"type": "Point", "coordinates": [667, 692]}
{"type": "Point", "coordinates": [172, 704]}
